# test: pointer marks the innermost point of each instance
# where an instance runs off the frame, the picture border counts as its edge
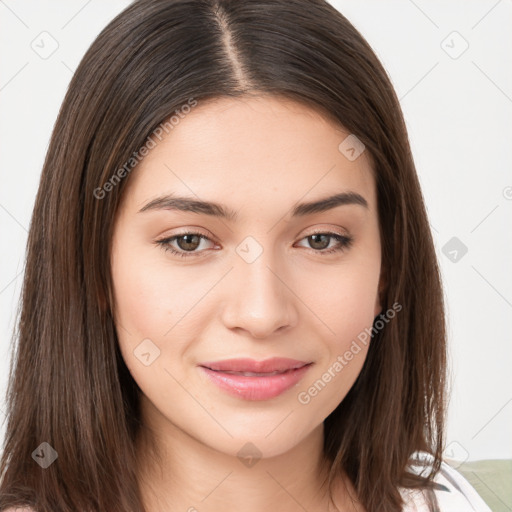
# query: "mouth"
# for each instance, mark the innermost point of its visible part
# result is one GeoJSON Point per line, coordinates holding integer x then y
{"type": "Point", "coordinates": [255, 380]}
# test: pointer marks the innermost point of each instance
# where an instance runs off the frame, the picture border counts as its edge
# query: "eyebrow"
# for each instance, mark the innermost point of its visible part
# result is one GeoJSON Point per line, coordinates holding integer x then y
{"type": "Point", "coordinates": [186, 204]}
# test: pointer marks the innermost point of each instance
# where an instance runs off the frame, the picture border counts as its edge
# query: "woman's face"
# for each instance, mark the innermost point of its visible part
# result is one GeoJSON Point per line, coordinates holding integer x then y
{"type": "Point", "coordinates": [269, 279]}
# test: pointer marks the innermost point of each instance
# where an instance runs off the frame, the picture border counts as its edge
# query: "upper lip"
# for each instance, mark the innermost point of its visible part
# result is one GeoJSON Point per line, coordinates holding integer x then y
{"type": "Point", "coordinates": [274, 364]}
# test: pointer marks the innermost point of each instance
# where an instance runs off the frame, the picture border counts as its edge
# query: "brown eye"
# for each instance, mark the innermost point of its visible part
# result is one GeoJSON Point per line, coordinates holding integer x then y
{"type": "Point", "coordinates": [319, 242]}
{"type": "Point", "coordinates": [183, 245]}
{"type": "Point", "coordinates": [188, 242]}
{"type": "Point", "coordinates": [316, 241]}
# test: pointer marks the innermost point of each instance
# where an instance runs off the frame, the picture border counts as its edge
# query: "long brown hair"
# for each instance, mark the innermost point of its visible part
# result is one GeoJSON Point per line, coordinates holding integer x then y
{"type": "Point", "coordinates": [69, 386]}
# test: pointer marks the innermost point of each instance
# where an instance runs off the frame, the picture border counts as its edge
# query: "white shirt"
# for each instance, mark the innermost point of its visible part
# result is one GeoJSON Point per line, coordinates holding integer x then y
{"type": "Point", "coordinates": [456, 495]}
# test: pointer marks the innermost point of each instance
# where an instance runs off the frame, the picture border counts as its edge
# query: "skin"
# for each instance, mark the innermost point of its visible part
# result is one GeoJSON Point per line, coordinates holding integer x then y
{"type": "Point", "coordinates": [259, 156]}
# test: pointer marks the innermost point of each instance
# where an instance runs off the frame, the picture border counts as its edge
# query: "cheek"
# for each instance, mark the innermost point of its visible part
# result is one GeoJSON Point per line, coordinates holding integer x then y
{"type": "Point", "coordinates": [343, 300]}
{"type": "Point", "coordinates": [343, 305]}
{"type": "Point", "coordinates": [156, 302]}
{"type": "Point", "coordinates": [140, 296]}
{"type": "Point", "coordinates": [142, 309]}
{"type": "Point", "coordinates": [151, 297]}
{"type": "Point", "coordinates": [148, 303]}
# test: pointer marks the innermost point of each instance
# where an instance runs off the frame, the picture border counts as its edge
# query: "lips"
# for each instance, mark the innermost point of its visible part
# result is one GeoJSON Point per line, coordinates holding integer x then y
{"type": "Point", "coordinates": [255, 380]}
{"type": "Point", "coordinates": [274, 365]}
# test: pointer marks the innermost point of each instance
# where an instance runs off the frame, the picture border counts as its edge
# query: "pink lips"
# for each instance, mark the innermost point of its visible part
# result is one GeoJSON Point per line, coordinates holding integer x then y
{"type": "Point", "coordinates": [255, 380]}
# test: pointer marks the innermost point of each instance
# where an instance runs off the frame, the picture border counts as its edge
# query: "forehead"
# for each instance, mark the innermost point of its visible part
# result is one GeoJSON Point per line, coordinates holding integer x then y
{"type": "Point", "coordinates": [253, 154]}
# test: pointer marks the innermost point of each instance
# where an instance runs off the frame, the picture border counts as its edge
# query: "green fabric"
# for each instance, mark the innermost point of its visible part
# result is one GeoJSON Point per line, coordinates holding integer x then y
{"type": "Point", "coordinates": [492, 479]}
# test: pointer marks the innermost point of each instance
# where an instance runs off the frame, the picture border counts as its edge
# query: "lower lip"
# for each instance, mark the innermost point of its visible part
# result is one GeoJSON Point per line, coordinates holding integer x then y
{"type": "Point", "coordinates": [256, 388]}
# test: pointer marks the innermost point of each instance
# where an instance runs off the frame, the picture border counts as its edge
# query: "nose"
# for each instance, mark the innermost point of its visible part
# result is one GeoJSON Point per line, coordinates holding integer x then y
{"type": "Point", "coordinates": [260, 299]}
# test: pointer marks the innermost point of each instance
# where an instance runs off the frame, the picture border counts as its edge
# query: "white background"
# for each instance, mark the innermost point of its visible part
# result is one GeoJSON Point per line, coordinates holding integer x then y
{"type": "Point", "coordinates": [459, 116]}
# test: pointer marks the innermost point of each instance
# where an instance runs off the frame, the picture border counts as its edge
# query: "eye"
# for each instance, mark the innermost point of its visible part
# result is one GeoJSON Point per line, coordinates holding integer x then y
{"type": "Point", "coordinates": [320, 241]}
{"type": "Point", "coordinates": [187, 244]}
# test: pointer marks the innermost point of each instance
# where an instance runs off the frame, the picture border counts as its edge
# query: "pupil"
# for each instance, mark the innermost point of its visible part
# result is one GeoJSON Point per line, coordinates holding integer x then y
{"type": "Point", "coordinates": [190, 243]}
{"type": "Point", "coordinates": [314, 239]}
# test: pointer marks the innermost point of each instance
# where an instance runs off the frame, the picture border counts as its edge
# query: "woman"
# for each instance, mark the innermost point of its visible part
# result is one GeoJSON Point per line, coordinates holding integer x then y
{"type": "Point", "coordinates": [231, 295]}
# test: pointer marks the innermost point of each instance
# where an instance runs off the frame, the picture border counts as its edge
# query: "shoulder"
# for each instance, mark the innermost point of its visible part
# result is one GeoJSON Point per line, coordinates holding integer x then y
{"type": "Point", "coordinates": [454, 492]}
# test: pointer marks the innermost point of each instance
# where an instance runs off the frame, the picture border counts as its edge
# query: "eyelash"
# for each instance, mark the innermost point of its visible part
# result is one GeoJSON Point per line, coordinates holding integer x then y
{"type": "Point", "coordinates": [345, 242]}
